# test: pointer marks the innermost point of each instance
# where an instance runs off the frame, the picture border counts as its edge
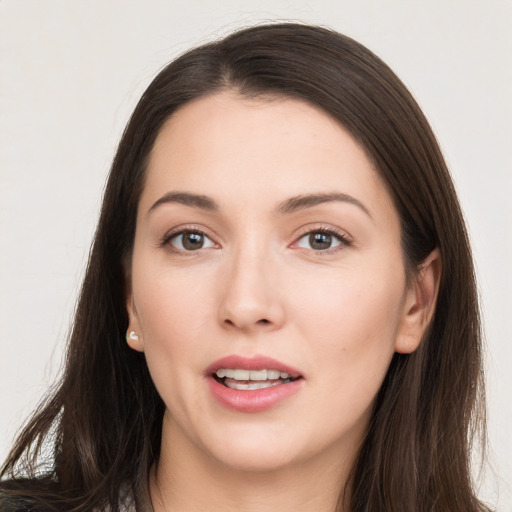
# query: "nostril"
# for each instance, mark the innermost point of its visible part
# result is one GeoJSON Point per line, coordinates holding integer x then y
{"type": "Point", "coordinates": [262, 322]}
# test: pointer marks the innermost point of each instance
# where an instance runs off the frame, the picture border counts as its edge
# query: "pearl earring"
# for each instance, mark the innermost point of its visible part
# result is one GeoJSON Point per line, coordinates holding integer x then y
{"type": "Point", "coordinates": [132, 336]}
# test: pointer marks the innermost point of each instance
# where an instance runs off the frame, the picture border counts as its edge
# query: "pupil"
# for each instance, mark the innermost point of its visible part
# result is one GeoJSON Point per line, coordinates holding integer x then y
{"type": "Point", "coordinates": [320, 241]}
{"type": "Point", "coordinates": [193, 241]}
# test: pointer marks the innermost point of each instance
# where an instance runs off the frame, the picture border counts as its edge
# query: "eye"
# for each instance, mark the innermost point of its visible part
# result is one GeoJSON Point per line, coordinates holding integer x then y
{"type": "Point", "coordinates": [321, 240]}
{"type": "Point", "coordinates": [190, 241]}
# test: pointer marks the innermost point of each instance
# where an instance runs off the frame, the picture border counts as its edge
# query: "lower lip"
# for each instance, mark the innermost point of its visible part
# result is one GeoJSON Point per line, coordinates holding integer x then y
{"type": "Point", "coordinates": [256, 400]}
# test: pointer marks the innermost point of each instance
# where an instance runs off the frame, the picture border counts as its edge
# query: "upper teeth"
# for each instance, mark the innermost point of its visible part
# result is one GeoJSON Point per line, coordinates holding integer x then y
{"type": "Point", "coordinates": [251, 374]}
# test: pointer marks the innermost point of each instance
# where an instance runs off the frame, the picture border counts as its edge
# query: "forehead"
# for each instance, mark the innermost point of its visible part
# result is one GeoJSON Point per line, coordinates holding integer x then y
{"type": "Point", "coordinates": [233, 147]}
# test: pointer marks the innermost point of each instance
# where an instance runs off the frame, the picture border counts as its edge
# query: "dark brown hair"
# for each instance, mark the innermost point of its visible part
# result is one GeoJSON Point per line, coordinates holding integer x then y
{"type": "Point", "coordinates": [96, 436]}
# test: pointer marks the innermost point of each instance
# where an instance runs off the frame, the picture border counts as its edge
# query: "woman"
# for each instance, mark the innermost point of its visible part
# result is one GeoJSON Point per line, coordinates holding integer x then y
{"type": "Point", "coordinates": [279, 310]}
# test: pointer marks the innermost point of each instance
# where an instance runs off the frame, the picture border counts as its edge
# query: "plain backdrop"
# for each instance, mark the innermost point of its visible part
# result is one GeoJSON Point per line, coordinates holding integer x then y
{"type": "Point", "coordinates": [71, 71]}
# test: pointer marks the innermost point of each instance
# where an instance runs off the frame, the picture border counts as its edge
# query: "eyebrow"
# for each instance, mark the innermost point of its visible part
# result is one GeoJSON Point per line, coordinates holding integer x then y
{"type": "Point", "coordinates": [302, 202]}
{"type": "Point", "coordinates": [188, 199]}
{"type": "Point", "coordinates": [291, 205]}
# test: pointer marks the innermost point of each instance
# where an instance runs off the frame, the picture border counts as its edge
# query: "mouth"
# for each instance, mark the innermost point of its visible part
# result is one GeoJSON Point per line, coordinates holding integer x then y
{"type": "Point", "coordinates": [252, 384]}
{"type": "Point", "coordinates": [250, 380]}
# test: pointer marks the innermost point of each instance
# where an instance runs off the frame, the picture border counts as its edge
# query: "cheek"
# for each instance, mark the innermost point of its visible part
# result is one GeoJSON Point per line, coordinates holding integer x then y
{"type": "Point", "coordinates": [351, 324]}
{"type": "Point", "coordinates": [173, 304]}
{"type": "Point", "coordinates": [174, 310]}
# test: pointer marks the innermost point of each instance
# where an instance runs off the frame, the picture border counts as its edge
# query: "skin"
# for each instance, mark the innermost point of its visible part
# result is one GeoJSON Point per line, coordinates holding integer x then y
{"type": "Point", "coordinates": [258, 286]}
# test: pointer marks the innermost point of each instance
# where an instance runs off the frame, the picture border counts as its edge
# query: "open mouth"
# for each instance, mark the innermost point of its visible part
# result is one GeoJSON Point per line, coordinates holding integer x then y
{"type": "Point", "coordinates": [252, 384]}
{"type": "Point", "coordinates": [249, 380]}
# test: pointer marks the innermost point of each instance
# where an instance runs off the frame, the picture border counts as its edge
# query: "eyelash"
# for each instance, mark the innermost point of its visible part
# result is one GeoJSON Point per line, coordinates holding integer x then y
{"type": "Point", "coordinates": [341, 237]}
{"type": "Point", "coordinates": [168, 237]}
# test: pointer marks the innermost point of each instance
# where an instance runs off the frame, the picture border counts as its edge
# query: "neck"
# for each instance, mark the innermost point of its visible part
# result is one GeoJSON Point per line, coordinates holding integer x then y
{"type": "Point", "coordinates": [187, 479]}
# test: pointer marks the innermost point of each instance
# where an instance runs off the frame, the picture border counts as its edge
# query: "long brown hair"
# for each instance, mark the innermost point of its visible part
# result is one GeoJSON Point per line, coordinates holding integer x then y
{"type": "Point", "coordinates": [97, 434]}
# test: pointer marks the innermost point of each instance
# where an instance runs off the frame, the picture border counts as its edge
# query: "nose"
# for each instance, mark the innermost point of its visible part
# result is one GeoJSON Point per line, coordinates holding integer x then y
{"type": "Point", "coordinates": [251, 298]}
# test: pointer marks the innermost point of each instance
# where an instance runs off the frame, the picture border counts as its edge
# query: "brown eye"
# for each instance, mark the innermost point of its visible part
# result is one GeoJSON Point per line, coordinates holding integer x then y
{"type": "Point", "coordinates": [191, 241]}
{"type": "Point", "coordinates": [321, 241]}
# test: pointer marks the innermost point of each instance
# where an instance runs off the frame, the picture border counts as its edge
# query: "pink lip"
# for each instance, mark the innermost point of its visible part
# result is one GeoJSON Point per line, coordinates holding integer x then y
{"type": "Point", "coordinates": [256, 400]}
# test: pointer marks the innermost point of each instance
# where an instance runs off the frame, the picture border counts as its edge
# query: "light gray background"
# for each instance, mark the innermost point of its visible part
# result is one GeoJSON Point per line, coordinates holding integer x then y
{"type": "Point", "coordinates": [71, 71]}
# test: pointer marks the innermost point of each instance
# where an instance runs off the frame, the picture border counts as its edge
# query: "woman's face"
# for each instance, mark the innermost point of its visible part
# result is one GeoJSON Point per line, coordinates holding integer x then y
{"type": "Point", "coordinates": [265, 240]}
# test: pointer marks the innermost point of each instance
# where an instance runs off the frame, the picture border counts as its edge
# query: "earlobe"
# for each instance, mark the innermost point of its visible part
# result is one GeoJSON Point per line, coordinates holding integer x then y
{"type": "Point", "coordinates": [133, 333]}
{"type": "Point", "coordinates": [420, 304]}
{"type": "Point", "coordinates": [134, 341]}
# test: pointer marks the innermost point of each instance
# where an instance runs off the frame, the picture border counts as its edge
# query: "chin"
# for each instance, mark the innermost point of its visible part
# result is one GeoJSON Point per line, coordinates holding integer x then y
{"type": "Point", "coordinates": [257, 460]}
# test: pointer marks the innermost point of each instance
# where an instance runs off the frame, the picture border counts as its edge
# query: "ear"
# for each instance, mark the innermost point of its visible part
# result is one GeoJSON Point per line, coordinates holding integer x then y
{"type": "Point", "coordinates": [420, 304]}
{"type": "Point", "coordinates": [134, 336]}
